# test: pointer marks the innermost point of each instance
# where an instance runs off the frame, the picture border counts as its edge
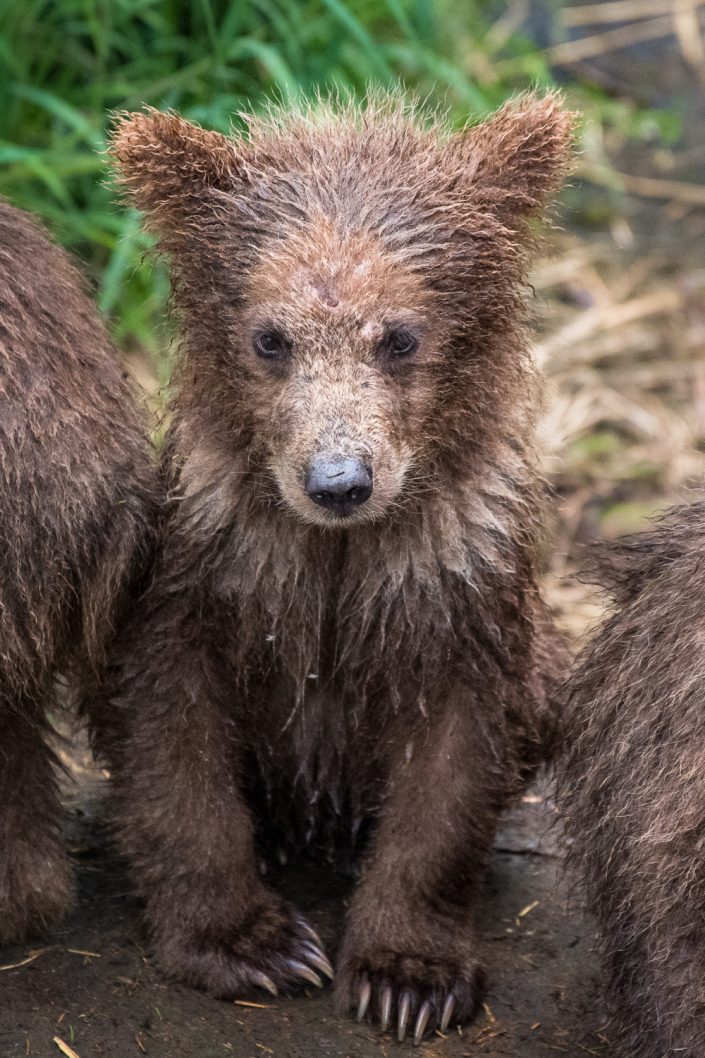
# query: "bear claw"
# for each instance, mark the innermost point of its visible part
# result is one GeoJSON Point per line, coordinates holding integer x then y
{"type": "Point", "coordinates": [405, 1010]}
{"type": "Point", "coordinates": [413, 1007]}
{"type": "Point", "coordinates": [261, 980]}
{"type": "Point", "coordinates": [364, 999]}
{"type": "Point", "coordinates": [447, 1014]}
{"type": "Point", "coordinates": [422, 1021]}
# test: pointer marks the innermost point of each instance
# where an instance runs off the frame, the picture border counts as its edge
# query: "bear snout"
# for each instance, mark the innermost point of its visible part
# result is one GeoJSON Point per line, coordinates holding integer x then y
{"type": "Point", "coordinates": [338, 483]}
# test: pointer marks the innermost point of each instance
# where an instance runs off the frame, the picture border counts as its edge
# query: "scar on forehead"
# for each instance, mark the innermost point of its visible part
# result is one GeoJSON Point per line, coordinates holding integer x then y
{"type": "Point", "coordinates": [325, 292]}
{"type": "Point", "coordinates": [372, 331]}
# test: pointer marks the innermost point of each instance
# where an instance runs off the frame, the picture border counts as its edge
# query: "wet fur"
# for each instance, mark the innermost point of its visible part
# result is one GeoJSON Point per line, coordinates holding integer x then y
{"type": "Point", "coordinates": [76, 512]}
{"type": "Point", "coordinates": [633, 792]}
{"type": "Point", "coordinates": [291, 683]}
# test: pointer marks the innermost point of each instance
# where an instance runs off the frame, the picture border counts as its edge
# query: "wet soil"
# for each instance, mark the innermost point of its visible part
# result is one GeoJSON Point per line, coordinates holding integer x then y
{"type": "Point", "coordinates": [93, 986]}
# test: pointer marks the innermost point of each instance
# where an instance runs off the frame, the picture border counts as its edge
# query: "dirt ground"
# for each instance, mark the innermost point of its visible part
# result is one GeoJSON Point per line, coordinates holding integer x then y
{"type": "Point", "coordinates": [92, 984]}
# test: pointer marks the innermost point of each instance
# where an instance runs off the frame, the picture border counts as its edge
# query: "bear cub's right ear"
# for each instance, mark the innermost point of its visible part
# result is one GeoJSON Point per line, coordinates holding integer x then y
{"type": "Point", "coordinates": [168, 165]}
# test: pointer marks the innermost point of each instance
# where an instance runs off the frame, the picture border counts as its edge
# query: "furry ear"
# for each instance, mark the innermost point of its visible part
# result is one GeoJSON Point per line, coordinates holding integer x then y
{"type": "Point", "coordinates": [517, 159]}
{"type": "Point", "coordinates": [168, 165]}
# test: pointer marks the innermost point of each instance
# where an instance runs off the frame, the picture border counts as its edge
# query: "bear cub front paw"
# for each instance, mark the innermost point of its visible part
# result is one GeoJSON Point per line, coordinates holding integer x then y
{"type": "Point", "coordinates": [267, 946]}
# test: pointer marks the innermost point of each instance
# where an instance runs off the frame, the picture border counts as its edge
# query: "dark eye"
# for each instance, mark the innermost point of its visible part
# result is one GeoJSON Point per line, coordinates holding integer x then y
{"type": "Point", "coordinates": [271, 345]}
{"type": "Point", "coordinates": [400, 342]}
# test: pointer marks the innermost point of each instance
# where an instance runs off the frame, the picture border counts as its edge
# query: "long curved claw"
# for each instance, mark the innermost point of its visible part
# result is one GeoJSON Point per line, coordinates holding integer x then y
{"type": "Point", "coordinates": [305, 972]}
{"type": "Point", "coordinates": [422, 1021]}
{"type": "Point", "coordinates": [312, 934]}
{"type": "Point", "coordinates": [385, 1007]}
{"type": "Point", "coordinates": [447, 1014]}
{"type": "Point", "coordinates": [364, 994]}
{"type": "Point", "coordinates": [404, 1008]}
{"type": "Point", "coordinates": [262, 981]}
{"type": "Point", "coordinates": [318, 959]}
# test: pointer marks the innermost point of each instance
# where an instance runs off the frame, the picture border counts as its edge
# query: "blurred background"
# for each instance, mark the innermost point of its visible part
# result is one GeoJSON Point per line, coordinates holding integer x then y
{"type": "Point", "coordinates": [620, 290]}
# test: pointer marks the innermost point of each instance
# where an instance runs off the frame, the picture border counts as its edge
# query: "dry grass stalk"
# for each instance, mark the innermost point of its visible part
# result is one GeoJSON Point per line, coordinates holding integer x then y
{"type": "Point", "coordinates": [64, 1048]}
{"type": "Point", "coordinates": [572, 51]}
{"type": "Point", "coordinates": [648, 20]}
{"type": "Point", "coordinates": [606, 317]}
{"type": "Point", "coordinates": [645, 186]}
{"type": "Point", "coordinates": [687, 27]}
{"type": "Point", "coordinates": [616, 11]}
{"type": "Point", "coordinates": [25, 962]}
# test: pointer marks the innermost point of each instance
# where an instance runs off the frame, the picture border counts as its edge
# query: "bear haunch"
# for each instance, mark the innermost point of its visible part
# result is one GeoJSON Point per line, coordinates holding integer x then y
{"type": "Point", "coordinates": [78, 501]}
{"type": "Point", "coordinates": [633, 796]}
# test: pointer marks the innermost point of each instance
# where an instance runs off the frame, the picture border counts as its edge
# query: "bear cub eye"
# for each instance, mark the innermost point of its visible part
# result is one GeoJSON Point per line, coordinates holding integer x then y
{"type": "Point", "coordinates": [271, 345]}
{"type": "Point", "coordinates": [398, 343]}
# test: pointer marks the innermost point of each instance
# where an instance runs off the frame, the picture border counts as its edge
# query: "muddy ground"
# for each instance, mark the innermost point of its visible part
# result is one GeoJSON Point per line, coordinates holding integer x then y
{"type": "Point", "coordinates": [93, 986]}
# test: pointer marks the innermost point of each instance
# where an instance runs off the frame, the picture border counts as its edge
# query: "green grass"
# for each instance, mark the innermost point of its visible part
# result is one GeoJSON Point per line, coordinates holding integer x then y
{"type": "Point", "coordinates": [66, 64]}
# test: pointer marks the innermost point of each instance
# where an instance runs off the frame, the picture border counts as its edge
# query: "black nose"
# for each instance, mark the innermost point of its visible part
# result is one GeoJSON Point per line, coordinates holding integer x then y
{"type": "Point", "coordinates": [340, 484]}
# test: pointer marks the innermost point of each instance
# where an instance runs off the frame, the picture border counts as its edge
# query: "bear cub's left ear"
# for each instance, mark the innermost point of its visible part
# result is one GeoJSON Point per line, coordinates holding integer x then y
{"type": "Point", "coordinates": [517, 160]}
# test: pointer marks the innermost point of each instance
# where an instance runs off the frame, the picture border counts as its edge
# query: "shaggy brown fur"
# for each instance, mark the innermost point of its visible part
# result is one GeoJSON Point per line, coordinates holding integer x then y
{"type": "Point", "coordinates": [76, 512]}
{"type": "Point", "coordinates": [348, 283]}
{"type": "Point", "coordinates": [634, 795]}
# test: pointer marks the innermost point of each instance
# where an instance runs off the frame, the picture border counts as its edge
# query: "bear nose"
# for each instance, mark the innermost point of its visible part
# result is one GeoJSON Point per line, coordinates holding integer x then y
{"type": "Point", "coordinates": [338, 483]}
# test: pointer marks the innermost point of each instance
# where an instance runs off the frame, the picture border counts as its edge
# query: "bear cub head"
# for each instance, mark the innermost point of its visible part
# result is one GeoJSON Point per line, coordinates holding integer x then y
{"type": "Point", "coordinates": [349, 285]}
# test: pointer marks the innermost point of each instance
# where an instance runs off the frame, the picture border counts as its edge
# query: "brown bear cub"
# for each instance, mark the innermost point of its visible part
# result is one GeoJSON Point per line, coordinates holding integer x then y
{"type": "Point", "coordinates": [76, 516]}
{"type": "Point", "coordinates": [344, 636]}
{"type": "Point", "coordinates": [634, 793]}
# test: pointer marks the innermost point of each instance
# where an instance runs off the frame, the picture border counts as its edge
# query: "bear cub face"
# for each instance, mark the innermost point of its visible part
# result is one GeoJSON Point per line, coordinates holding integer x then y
{"type": "Point", "coordinates": [337, 344]}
